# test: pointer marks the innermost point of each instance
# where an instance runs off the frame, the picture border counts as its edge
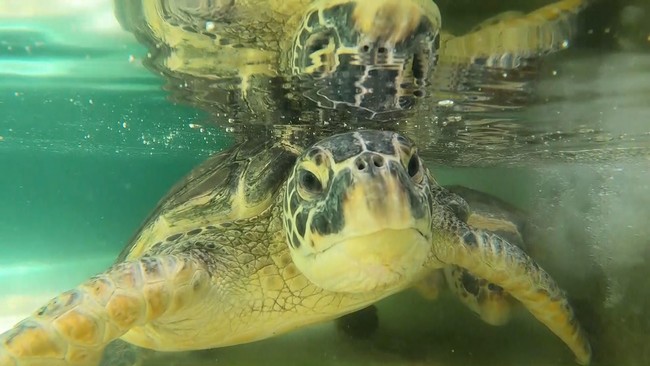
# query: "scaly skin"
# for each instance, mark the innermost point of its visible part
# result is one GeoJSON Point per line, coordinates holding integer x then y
{"type": "Point", "coordinates": [490, 257]}
{"type": "Point", "coordinates": [74, 327]}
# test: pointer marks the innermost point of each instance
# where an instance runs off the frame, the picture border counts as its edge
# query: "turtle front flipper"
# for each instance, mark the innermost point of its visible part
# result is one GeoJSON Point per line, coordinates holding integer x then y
{"type": "Point", "coordinates": [490, 257]}
{"type": "Point", "coordinates": [503, 40]}
{"type": "Point", "coordinates": [75, 327]}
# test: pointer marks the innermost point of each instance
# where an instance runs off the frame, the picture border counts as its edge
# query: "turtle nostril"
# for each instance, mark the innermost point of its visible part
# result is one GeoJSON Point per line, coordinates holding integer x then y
{"type": "Point", "coordinates": [378, 161]}
{"type": "Point", "coordinates": [361, 165]}
{"type": "Point", "coordinates": [370, 161]}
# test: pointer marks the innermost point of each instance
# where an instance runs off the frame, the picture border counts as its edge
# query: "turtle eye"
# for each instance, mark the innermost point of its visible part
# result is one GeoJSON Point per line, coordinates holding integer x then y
{"type": "Point", "coordinates": [317, 55]}
{"type": "Point", "coordinates": [309, 182]}
{"type": "Point", "coordinates": [414, 169]}
{"type": "Point", "coordinates": [317, 42]}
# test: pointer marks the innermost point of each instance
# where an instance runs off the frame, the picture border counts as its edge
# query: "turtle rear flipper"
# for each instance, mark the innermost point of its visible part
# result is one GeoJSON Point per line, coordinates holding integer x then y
{"type": "Point", "coordinates": [490, 257]}
{"type": "Point", "coordinates": [76, 326]}
{"type": "Point", "coordinates": [120, 353]}
{"type": "Point", "coordinates": [361, 324]}
{"type": "Point", "coordinates": [487, 300]}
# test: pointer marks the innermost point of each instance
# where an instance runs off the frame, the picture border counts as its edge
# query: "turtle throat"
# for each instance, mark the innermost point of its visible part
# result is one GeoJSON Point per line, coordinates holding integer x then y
{"type": "Point", "coordinates": [385, 260]}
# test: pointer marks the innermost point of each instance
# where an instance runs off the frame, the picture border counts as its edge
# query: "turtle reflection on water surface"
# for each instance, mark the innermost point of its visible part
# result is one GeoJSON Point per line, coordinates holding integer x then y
{"type": "Point", "coordinates": [257, 241]}
{"type": "Point", "coordinates": [291, 61]}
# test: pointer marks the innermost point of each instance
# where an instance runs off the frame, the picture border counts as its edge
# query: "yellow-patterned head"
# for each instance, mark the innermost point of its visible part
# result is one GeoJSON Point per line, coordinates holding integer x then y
{"type": "Point", "coordinates": [357, 212]}
{"type": "Point", "coordinates": [370, 54]}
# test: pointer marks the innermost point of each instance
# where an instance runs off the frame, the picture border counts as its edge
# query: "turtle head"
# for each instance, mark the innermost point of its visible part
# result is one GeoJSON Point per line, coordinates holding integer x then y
{"type": "Point", "coordinates": [357, 212]}
{"type": "Point", "coordinates": [371, 54]}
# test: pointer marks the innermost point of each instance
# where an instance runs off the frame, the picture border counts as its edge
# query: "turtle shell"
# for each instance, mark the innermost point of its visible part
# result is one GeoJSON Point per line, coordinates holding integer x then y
{"type": "Point", "coordinates": [237, 183]}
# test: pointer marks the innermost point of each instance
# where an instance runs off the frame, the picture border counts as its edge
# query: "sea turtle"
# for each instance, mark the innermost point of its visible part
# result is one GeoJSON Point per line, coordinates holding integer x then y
{"type": "Point", "coordinates": [280, 58]}
{"type": "Point", "coordinates": [259, 240]}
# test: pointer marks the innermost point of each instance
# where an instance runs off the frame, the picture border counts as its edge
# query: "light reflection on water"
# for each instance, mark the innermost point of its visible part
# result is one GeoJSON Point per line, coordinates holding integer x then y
{"type": "Point", "coordinates": [581, 105]}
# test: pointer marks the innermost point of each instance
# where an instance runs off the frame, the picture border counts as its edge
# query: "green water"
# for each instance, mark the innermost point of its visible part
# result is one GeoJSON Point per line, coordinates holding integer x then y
{"type": "Point", "coordinates": [72, 170]}
{"type": "Point", "coordinates": [89, 142]}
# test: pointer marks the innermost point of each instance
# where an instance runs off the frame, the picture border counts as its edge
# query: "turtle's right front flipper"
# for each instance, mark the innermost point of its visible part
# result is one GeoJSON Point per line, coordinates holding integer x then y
{"type": "Point", "coordinates": [490, 257]}
{"type": "Point", "coordinates": [75, 327]}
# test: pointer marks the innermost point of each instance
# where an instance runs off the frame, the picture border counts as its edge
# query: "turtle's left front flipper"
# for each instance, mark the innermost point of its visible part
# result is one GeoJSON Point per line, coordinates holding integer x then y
{"type": "Point", "coordinates": [490, 257]}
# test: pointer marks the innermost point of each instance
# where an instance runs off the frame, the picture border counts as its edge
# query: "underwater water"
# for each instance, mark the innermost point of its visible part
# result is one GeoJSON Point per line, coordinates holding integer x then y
{"type": "Point", "coordinates": [91, 139]}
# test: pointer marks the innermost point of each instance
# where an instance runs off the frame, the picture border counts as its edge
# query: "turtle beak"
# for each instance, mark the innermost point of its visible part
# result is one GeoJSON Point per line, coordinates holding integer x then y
{"type": "Point", "coordinates": [381, 195]}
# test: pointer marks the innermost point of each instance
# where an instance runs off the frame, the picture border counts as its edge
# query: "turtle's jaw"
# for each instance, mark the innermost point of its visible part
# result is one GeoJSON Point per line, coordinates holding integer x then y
{"type": "Point", "coordinates": [383, 261]}
{"type": "Point", "coordinates": [371, 54]}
